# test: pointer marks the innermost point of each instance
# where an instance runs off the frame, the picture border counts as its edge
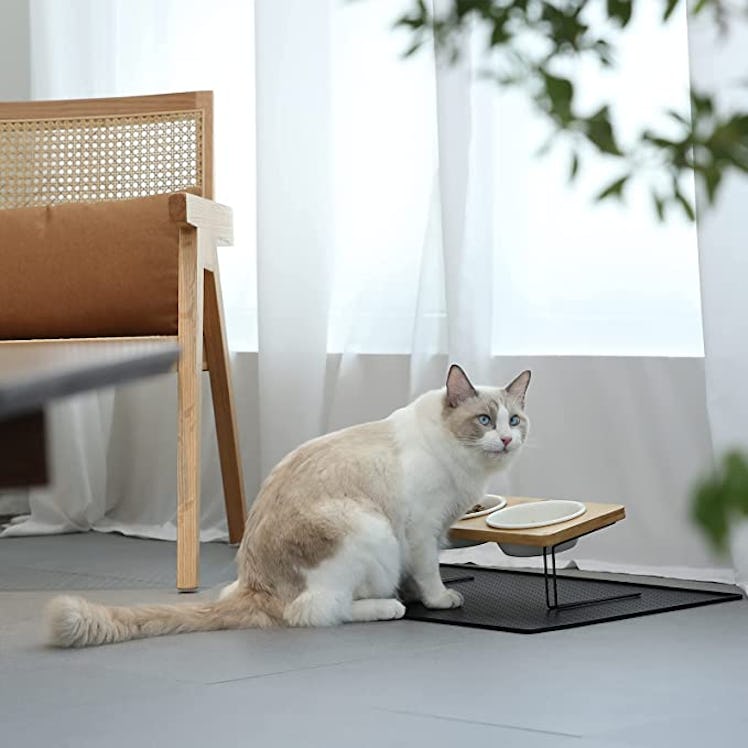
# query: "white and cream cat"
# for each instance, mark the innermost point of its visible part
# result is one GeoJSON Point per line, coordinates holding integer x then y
{"type": "Point", "coordinates": [343, 522]}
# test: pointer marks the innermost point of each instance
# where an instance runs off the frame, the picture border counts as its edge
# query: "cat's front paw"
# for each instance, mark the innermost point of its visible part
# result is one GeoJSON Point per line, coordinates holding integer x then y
{"type": "Point", "coordinates": [447, 599]}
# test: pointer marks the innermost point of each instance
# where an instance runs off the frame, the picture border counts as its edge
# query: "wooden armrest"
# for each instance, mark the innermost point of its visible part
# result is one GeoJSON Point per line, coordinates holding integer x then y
{"type": "Point", "coordinates": [203, 214]}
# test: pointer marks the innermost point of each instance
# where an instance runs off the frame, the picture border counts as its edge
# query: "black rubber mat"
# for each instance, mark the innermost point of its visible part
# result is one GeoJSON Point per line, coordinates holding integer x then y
{"type": "Point", "coordinates": [508, 600]}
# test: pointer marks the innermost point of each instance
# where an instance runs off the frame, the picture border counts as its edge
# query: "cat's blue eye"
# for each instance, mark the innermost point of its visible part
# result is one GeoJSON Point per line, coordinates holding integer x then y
{"type": "Point", "coordinates": [484, 420]}
{"type": "Point", "coordinates": [514, 421]}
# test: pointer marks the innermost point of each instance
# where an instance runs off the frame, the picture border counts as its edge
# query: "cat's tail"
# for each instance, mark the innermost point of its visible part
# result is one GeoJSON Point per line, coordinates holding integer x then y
{"type": "Point", "coordinates": [75, 622]}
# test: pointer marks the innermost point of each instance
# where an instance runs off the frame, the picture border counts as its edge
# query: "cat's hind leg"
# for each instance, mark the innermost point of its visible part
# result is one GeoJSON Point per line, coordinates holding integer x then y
{"type": "Point", "coordinates": [373, 609]}
{"type": "Point", "coordinates": [374, 598]}
{"type": "Point", "coordinates": [318, 606]}
{"type": "Point", "coordinates": [228, 590]}
{"type": "Point", "coordinates": [366, 565]}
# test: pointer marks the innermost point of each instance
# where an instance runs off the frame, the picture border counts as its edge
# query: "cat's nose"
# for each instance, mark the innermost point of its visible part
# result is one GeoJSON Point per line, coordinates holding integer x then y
{"type": "Point", "coordinates": [507, 440]}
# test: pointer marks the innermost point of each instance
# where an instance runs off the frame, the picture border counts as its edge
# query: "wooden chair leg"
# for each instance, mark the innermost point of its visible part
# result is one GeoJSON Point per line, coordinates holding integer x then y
{"type": "Point", "coordinates": [217, 355]}
{"type": "Point", "coordinates": [188, 442]}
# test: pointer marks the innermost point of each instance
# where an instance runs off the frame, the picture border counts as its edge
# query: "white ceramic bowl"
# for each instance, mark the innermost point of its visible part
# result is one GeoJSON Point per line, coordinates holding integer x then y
{"type": "Point", "coordinates": [535, 514]}
{"type": "Point", "coordinates": [493, 502]}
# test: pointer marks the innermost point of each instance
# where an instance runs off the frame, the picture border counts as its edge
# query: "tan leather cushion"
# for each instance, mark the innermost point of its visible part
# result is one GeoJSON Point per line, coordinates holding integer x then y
{"type": "Point", "coordinates": [89, 270]}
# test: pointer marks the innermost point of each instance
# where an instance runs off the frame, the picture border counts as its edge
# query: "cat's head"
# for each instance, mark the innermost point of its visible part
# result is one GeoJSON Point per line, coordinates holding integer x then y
{"type": "Point", "coordinates": [490, 421]}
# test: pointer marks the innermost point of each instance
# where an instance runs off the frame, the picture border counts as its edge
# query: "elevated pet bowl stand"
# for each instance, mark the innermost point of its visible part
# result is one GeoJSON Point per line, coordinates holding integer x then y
{"type": "Point", "coordinates": [547, 538]}
{"type": "Point", "coordinates": [512, 600]}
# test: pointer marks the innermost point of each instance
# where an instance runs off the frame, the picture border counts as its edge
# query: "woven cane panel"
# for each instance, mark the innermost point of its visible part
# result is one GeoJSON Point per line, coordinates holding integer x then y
{"type": "Point", "coordinates": [46, 162]}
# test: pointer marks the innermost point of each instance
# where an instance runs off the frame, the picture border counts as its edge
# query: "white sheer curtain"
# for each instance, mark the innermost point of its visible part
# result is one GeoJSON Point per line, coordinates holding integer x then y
{"type": "Point", "coordinates": [294, 146]}
{"type": "Point", "coordinates": [724, 262]}
{"type": "Point", "coordinates": [436, 164]}
{"type": "Point", "coordinates": [392, 199]}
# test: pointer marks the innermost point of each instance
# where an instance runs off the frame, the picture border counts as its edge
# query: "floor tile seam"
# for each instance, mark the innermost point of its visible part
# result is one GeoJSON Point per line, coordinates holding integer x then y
{"type": "Point", "coordinates": [503, 725]}
{"type": "Point", "coordinates": [92, 575]}
{"type": "Point", "coordinates": [69, 572]}
{"type": "Point", "coordinates": [322, 665]}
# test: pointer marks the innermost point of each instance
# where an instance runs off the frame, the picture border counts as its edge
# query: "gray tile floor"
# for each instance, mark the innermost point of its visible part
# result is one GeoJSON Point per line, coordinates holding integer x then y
{"type": "Point", "coordinates": [677, 679]}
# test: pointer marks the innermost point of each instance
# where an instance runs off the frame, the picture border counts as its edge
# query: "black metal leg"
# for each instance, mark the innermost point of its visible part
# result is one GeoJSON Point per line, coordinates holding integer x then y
{"type": "Point", "coordinates": [552, 580]}
{"type": "Point", "coordinates": [466, 578]}
{"type": "Point", "coordinates": [551, 584]}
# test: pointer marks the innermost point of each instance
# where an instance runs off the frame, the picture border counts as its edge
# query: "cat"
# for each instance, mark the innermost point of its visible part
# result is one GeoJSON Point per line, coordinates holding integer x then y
{"type": "Point", "coordinates": [342, 521]}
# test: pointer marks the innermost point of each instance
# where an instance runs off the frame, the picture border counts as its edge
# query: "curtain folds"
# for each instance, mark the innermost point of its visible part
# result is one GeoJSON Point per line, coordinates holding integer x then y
{"type": "Point", "coordinates": [294, 219]}
{"type": "Point", "coordinates": [463, 275]}
{"type": "Point", "coordinates": [723, 258]}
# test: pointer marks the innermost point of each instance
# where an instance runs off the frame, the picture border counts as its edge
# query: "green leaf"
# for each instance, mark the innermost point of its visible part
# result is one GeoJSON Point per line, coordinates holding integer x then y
{"type": "Point", "coordinates": [721, 498]}
{"type": "Point", "coordinates": [620, 10]}
{"type": "Point", "coordinates": [599, 131]}
{"type": "Point", "coordinates": [678, 117]}
{"type": "Point", "coordinates": [614, 189]}
{"type": "Point", "coordinates": [413, 48]}
{"type": "Point", "coordinates": [605, 53]}
{"type": "Point", "coordinates": [574, 166]}
{"type": "Point", "coordinates": [739, 122]}
{"type": "Point", "coordinates": [499, 35]}
{"type": "Point", "coordinates": [660, 142]}
{"type": "Point", "coordinates": [561, 24]}
{"type": "Point", "coordinates": [702, 103]}
{"type": "Point", "coordinates": [712, 178]}
{"type": "Point", "coordinates": [710, 513]}
{"type": "Point", "coordinates": [685, 204]}
{"type": "Point", "coordinates": [560, 92]}
{"type": "Point", "coordinates": [670, 7]}
{"type": "Point", "coordinates": [659, 204]}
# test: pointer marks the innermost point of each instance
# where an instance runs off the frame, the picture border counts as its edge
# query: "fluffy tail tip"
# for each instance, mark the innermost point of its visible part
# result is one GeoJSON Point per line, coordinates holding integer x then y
{"type": "Point", "coordinates": [67, 621]}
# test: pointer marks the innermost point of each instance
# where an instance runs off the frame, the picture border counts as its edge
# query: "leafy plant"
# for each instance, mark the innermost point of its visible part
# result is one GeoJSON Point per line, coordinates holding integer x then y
{"type": "Point", "coordinates": [721, 499]}
{"type": "Point", "coordinates": [707, 142]}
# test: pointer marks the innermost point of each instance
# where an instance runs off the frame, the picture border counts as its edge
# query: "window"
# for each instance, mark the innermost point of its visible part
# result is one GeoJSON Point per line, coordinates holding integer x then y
{"type": "Point", "coordinates": [570, 277]}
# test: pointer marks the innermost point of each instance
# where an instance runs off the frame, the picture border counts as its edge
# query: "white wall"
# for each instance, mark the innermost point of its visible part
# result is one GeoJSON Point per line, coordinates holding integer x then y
{"type": "Point", "coordinates": [629, 430]}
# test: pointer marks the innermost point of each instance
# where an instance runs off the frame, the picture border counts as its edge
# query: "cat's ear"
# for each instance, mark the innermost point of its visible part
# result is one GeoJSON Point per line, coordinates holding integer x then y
{"type": "Point", "coordinates": [518, 386]}
{"type": "Point", "coordinates": [459, 388]}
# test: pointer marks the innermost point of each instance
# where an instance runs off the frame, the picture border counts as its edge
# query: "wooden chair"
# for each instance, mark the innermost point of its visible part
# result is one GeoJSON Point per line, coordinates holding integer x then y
{"type": "Point", "coordinates": [123, 187]}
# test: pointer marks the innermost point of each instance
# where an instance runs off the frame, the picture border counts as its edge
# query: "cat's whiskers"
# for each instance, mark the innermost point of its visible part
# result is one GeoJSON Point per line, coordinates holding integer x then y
{"type": "Point", "coordinates": [530, 443]}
